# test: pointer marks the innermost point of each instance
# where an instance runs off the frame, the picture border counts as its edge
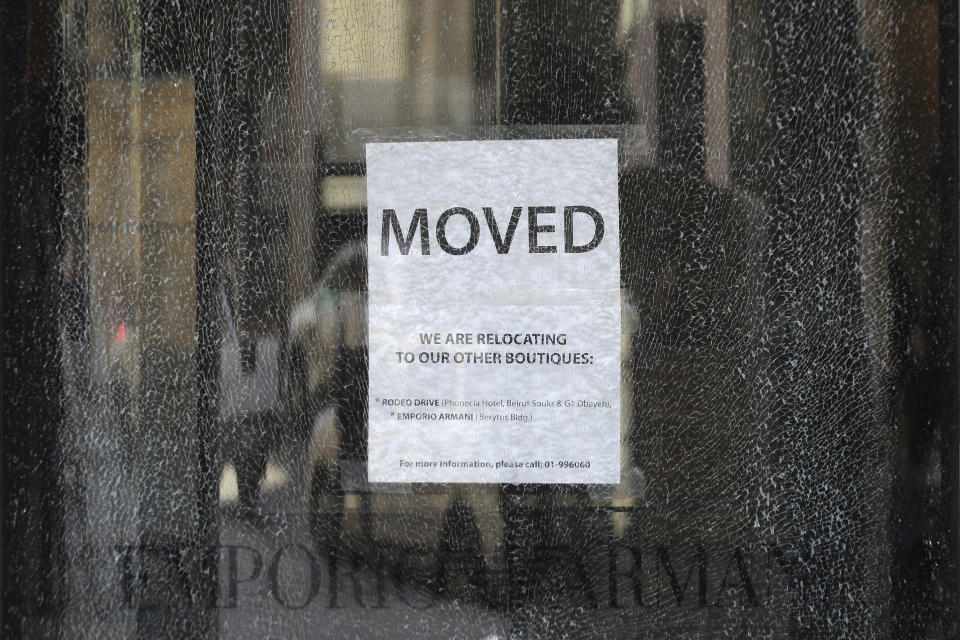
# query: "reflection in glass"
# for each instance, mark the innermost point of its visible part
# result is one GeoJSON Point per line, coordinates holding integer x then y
{"type": "Point", "coordinates": [185, 313]}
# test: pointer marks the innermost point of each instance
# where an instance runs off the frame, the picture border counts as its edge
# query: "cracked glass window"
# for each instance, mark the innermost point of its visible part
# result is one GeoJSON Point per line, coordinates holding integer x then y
{"type": "Point", "coordinates": [191, 302]}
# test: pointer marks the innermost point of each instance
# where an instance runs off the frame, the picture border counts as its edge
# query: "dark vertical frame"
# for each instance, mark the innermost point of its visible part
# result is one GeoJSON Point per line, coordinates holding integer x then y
{"type": "Point", "coordinates": [207, 74]}
{"type": "Point", "coordinates": [818, 106]}
{"type": "Point", "coordinates": [948, 324]}
{"type": "Point", "coordinates": [924, 511]}
{"type": "Point", "coordinates": [207, 358]}
{"type": "Point", "coordinates": [681, 95]}
{"type": "Point", "coordinates": [485, 57]}
{"type": "Point", "coordinates": [32, 385]}
{"type": "Point", "coordinates": [13, 16]}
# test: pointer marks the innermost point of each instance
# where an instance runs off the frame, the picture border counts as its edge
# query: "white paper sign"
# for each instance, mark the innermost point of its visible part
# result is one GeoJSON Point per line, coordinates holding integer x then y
{"type": "Point", "coordinates": [494, 311]}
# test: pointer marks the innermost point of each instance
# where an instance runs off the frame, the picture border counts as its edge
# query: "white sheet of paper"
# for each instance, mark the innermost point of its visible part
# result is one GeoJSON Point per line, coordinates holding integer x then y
{"type": "Point", "coordinates": [453, 397]}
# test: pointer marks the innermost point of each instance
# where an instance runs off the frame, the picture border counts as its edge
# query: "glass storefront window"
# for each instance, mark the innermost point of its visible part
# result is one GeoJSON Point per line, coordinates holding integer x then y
{"type": "Point", "coordinates": [190, 306]}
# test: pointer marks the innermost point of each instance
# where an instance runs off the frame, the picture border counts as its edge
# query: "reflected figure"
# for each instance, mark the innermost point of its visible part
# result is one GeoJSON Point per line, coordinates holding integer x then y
{"type": "Point", "coordinates": [252, 415]}
{"type": "Point", "coordinates": [327, 388]}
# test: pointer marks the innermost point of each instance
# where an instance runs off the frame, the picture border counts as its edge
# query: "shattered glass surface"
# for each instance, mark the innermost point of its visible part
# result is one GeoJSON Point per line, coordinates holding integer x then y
{"type": "Point", "coordinates": [184, 320]}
